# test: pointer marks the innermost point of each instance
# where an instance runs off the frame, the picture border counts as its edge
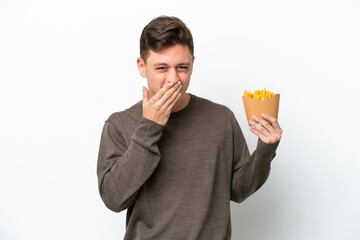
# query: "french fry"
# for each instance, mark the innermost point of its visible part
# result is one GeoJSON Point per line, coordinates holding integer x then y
{"type": "Point", "coordinates": [259, 94]}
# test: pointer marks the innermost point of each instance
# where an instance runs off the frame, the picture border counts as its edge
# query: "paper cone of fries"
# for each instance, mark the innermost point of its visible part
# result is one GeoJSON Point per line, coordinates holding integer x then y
{"type": "Point", "coordinates": [257, 107]}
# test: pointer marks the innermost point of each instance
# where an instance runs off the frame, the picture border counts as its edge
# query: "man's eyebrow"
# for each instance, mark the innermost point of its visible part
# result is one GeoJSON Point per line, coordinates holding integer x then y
{"type": "Point", "coordinates": [164, 64]}
{"type": "Point", "coordinates": [184, 63]}
{"type": "Point", "coordinates": [160, 64]}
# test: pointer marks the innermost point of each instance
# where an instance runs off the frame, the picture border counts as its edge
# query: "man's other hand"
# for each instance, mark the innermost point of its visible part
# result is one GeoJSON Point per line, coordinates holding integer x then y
{"type": "Point", "coordinates": [266, 128]}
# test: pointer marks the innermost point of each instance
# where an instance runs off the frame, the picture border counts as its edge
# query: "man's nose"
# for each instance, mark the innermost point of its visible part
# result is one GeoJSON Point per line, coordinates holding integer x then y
{"type": "Point", "coordinates": [173, 77]}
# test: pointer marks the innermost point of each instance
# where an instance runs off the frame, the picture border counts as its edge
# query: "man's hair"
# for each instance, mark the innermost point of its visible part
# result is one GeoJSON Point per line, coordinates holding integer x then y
{"type": "Point", "coordinates": [163, 32]}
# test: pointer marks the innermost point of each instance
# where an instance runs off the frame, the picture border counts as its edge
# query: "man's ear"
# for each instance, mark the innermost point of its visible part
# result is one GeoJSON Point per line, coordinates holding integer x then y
{"type": "Point", "coordinates": [141, 67]}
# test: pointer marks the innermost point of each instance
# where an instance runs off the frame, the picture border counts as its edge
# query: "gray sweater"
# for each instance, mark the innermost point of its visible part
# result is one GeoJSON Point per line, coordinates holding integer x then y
{"type": "Point", "coordinates": [176, 182]}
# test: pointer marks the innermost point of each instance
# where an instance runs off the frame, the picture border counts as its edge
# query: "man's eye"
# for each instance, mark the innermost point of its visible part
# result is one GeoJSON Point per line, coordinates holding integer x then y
{"type": "Point", "coordinates": [183, 68]}
{"type": "Point", "coordinates": [160, 68]}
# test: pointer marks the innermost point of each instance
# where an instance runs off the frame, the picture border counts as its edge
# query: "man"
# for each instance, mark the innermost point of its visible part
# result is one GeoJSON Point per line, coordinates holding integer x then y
{"type": "Point", "coordinates": [175, 160]}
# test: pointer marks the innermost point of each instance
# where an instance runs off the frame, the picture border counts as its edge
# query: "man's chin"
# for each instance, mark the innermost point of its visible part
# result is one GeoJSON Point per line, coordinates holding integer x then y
{"type": "Point", "coordinates": [182, 102]}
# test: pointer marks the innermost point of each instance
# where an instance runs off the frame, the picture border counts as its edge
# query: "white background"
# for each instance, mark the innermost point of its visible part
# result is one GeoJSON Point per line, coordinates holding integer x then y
{"type": "Point", "coordinates": [65, 66]}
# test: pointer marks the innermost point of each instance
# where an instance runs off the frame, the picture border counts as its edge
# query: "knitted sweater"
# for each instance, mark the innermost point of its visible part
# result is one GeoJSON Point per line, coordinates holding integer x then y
{"type": "Point", "coordinates": [176, 181]}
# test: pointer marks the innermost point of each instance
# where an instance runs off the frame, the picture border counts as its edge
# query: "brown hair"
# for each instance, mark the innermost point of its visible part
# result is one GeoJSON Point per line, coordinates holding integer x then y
{"type": "Point", "coordinates": [163, 32]}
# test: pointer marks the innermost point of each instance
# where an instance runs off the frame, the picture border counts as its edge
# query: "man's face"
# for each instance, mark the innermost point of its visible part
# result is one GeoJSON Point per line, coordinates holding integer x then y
{"type": "Point", "coordinates": [170, 65]}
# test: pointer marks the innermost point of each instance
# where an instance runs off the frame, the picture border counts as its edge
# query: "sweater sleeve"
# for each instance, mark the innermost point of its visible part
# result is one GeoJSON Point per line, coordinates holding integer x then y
{"type": "Point", "coordinates": [249, 171]}
{"type": "Point", "coordinates": [121, 169]}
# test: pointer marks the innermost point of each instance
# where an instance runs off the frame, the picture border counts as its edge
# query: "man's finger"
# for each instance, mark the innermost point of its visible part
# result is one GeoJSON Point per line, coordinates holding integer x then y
{"type": "Point", "coordinates": [173, 103]}
{"type": "Point", "coordinates": [171, 99]}
{"type": "Point", "coordinates": [260, 127]}
{"type": "Point", "coordinates": [263, 138]}
{"type": "Point", "coordinates": [265, 130]}
{"type": "Point", "coordinates": [273, 122]}
{"type": "Point", "coordinates": [268, 117]}
{"type": "Point", "coordinates": [267, 125]}
{"type": "Point", "coordinates": [162, 91]}
{"type": "Point", "coordinates": [168, 94]}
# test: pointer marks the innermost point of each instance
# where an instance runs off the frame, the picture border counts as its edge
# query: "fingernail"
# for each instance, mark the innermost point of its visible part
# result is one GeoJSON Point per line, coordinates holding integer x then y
{"type": "Point", "coordinates": [263, 114]}
{"type": "Point", "coordinates": [254, 117]}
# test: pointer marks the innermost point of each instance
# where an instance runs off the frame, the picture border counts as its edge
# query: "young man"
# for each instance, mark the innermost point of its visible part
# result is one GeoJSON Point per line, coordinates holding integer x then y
{"type": "Point", "coordinates": [175, 160]}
